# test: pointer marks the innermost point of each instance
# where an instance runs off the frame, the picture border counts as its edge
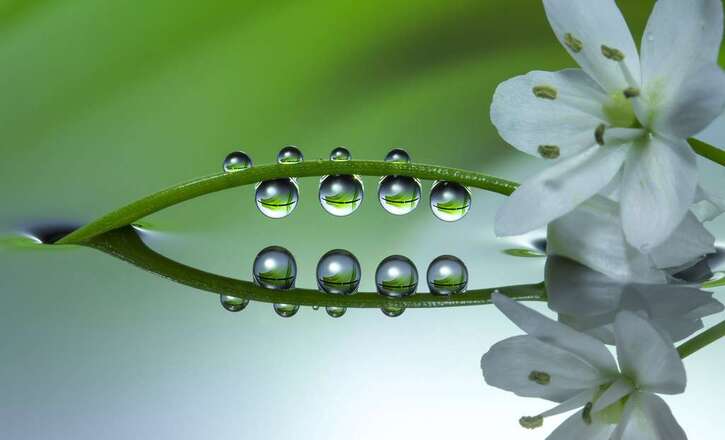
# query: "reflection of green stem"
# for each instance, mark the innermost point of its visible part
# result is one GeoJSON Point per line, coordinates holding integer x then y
{"type": "Point", "coordinates": [205, 185]}
{"type": "Point", "coordinates": [702, 340]}
{"type": "Point", "coordinates": [708, 151]}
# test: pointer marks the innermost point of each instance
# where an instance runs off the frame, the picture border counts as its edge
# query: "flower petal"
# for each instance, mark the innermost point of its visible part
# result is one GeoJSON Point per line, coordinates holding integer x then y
{"type": "Point", "coordinates": [509, 364]}
{"type": "Point", "coordinates": [575, 402]}
{"type": "Point", "coordinates": [647, 417]}
{"type": "Point", "coordinates": [707, 206]}
{"type": "Point", "coordinates": [574, 428]}
{"type": "Point", "coordinates": [647, 356]}
{"type": "Point", "coordinates": [567, 122]}
{"type": "Point", "coordinates": [594, 23]}
{"type": "Point", "coordinates": [558, 190]}
{"type": "Point", "coordinates": [658, 188]}
{"type": "Point", "coordinates": [688, 244]}
{"type": "Point", "coordinates": [559, 335]}
{"type": "Point", "coordinates": [620, 388]}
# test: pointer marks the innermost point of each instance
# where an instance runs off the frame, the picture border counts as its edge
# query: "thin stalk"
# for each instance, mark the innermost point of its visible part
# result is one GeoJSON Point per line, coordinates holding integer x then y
{"type": "Point", "coordinates": [702, 340]}
{"type": "Point", "coordinates": [708, 151]}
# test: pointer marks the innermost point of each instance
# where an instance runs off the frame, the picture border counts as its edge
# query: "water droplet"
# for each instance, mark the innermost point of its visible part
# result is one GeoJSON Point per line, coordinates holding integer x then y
{"type": "Point", "coordinates": [396, 276]}
{"type": "Point", "coordinates": [290, 155]}
{"type": "Point", "coordinates": [237, 161]}
{"type": "Point", "coordinates": [399, 195]}
{"type": "Point", "coordinates": [275, 268]}
{"type": "Point", "coordinates": [315, 307]}
{"type": "Point", "coordinates": [232, 303]}
{"type": "Point", "coordinates": [341, 195]}
{"type": "Point", "coordinates": [286, 310]}
{"type": "Point", "coordinates": [447, 275]}
{"type": "Point", "coordinates": [449, 201]}
{"type": "Point", "coordinates": [340, 153]}
{"type": "Point", "coordinates": [335, 312]}
{"type": "Point", "coordinates": [392, 311]}
{"type": "Point", "coordinates": [650, 36]}
{"type": "Point", "coordinates": [397, 155]}
{"type": "Point", "coordinates": [277, 198]}
{"type": "Point", "coordinates": [338, 272]}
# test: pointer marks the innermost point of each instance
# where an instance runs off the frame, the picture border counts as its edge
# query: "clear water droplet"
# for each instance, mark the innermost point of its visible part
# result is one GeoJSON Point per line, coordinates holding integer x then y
{"type": "Point", "coordinates": [232, 303]}
{"type": "Point", "coordinates": [340, 153]}
{"type": "Point", "coordinates": [399, 195]}
{"type": "Point", "coordinates": [275, 268]}
{"type": "Point", "coordinates": [277, 198]}
{"type": "Point", "coordinates": [341, 195]}
{"type": "Point", "coordinates": [392, 311]}
{"type": "Point", "coordinates": [397, 155]}
{"type": "Point", "coordinates": [338, 272]}
{"type": "Point", "coordinates": [449, 201]}
{"type": "Point", "coordinates": [396, 276]}
{"type": "Point", "coordinates": [286, 310]}
{"type": "Point", "coordinates": [290, 155]}
{"type": "Point", "coordinates": [335, 312]}
{"type": "Point", "coordinates": [447, 275]}
{"type": "Point", "coordinates": [237, 161]}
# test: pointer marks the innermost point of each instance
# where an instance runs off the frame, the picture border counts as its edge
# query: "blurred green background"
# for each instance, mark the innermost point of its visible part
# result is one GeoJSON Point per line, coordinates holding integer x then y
{"type": "Point", "coordinates": [104, 102]}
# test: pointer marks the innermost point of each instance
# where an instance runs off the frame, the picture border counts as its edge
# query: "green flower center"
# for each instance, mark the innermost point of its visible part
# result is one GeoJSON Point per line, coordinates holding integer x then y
{"type": "Point", "coordinates": [620, 112]}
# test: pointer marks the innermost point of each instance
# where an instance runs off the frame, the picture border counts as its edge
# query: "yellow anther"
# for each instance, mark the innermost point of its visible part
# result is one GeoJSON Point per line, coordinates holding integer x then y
{"type": "Point", "coordinates": [545, 92]}
{"type": "Point", "coordinates": [531, 422]}
{"type": "Point", "coordinates": [573, 43]}
{"type": "Point", "coordinates": [549, 151]}
{"type": "Point", "coordinates": [540, 377]}
{"type": "Point", "coordinates": [612, 53]}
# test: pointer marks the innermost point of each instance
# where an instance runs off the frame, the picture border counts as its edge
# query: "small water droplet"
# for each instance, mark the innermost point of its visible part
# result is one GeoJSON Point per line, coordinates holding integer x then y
{"type": "Point", "coordinates": [237, 161]}
{"type": "Point", "coordinates": [397, 155]}
{"type": "Point", "coordinates": [340, 153]}
{"type": "Point", "coordinates": [396, 276]}
{"type": "Point", "coordinates": [286, 310]}
{"type": "Point", "coordinates": [290, 155]}
{"type": "Point", "coordinates": [277, 198]}
{"type": "Point", "coordinates": [275, 268]}
{"type": "Point", "coordinates": [232, 303]}
{"type": "Point", "coordinates": [341, 195]}
{"type": "Point", "coordinates": [392, 311]}
{"type": "Point", "coordinates": [335, 312]}
{"type": "Point", "coordinates": [399, 195]}
{"type": "Point", "coordinates": [315, 307]}
{"type": "Point", "coordinates": [449, 201]}
{"type": "Point", "coordinates": [447, 275]}
{"type": "Point", "coordinates": [338, 272]}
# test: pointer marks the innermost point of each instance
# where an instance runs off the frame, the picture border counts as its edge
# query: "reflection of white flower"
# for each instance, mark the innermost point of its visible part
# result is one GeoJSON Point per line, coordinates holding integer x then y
{"type": "Point", "coordinates": [558, 363]}
{"type": "Point", "coordinates": [621, 118]}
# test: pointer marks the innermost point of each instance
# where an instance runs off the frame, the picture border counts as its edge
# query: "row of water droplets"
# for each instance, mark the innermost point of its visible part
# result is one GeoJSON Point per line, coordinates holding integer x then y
{"type": "Point", "coordinates": [341, 195]}
{"type": "Point", "coordinates": [338, 273]}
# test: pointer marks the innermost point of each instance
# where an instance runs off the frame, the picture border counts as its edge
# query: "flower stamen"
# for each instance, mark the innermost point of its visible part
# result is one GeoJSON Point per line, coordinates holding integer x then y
{"type": "Point", "coordinates": [587, 413]}
{"type": "Point", "coordinates": [548, 152]}
{"type": "Point", "coordinates": [531, 422]}
{"type": "Point", "coordinates": [631, 92]}
{"type": "Point", "coordinates": [540, 377]}
{"type": "Point", "coordinates": [574, 44]}
{"type": "Point", "coordinates": [545, 92]}
{"type": "Point", "coordinates": [612, 53]}
{"type": "Point", "coordinates": [599, 134]}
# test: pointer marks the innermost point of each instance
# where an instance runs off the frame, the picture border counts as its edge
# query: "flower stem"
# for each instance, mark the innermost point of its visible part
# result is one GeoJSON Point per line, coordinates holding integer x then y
{"type": "Point", "coordinates": [205, 185]}
{"type": "Point", "coordinates": [702, 340]}
{"type": "Point", "coordinates": [708, 151]}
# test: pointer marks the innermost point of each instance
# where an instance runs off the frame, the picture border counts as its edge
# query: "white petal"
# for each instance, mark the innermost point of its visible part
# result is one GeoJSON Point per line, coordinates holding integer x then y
{"type": "Point", "coordinates": [620, 388]}
{"type": "Point", "coordinates": [554, 333]}
{"type": "Point", "coordinates": [658, 188]}
{"type": "Point", "coordinates": [647, 356]}
{"type": "Point", "coordinates": [688, 244]}
{"type": "Point", "coordinates": [708, 206]}
{"type": "Point", "coordinates": [567, 122]}
{"type": "Point", "coordinates": [574, 428]}
{"type": "Point", "coordinates": [595, 23]}
{"type": "Point", "coordinates": [647, 417]}
{"type": "Point", "coordinates": [508, 364]}
{"type": "Point", "coordinates": [558, 190]}
{"type": "Point", "coordinates": [575, 402]}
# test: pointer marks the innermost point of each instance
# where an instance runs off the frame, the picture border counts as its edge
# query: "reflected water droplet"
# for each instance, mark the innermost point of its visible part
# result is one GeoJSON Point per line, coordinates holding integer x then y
{"type": "Point", "coordinates": [338, 272]}
{"type": "Point", "coordinates": [399, 195]}
{"type": "Point", "coordinates": [275, 268]}
{"type": "Point", "coordinates": [289, 155]}
{"type": "Point", "coordinates": [286, 310]}
{"type": "Point", "coordinates": [449, 201]}
{"type": "Point", "coordinates": [340, 153]}
{"type": "Point", "coordinates": [341, 195]}
{"type": "Point", "coordinates": [397, 155]}
{"type": "Point", "coordinates": [237, 161]}
{"type": "Point", "coordinates": [392, 311]}
{"type": "Point", "coordinates": [335, 312]}
{"type": "Point", "coordinates": [277, 198]}
{"type": "Point", "coordinates": [232, 303]}
{"type": "Point", "coordinates": [447, 275]}
{"type": "Point", "coordinates": [396, 276]}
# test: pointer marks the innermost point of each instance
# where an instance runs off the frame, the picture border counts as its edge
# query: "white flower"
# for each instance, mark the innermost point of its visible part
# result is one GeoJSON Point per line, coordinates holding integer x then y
{"type": "Point", "coordinates": [621, 118]}
{"type": "Point", "coordinates": [558, 363]}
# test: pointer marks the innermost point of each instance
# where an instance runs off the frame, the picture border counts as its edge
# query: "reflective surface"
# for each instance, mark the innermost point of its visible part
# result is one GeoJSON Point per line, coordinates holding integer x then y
{"type": "Point", "coordinates": [277, 198]}
{"type": "Point", "coordinates": [396, 276]}
{"type": "Point", "coordinates": [399, 195]}
{"type": "Point", "coordinates": [341, 195]}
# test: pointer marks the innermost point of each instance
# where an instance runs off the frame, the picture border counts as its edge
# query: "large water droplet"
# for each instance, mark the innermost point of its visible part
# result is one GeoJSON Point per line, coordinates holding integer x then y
{"type": "Point", "coordinates": [447, 275]}
{"type": "Point", "coordinates": [396, 276]}
{"type": "Point", "coordinates": [232, 303]}
{"type": "Point", "coordinates": [275, 268]}
{"type": "Point", "coordinates": [290, 155]}
{"type": "Point", "coordinates": [286, 310]}
{"type": "Point", "coordinates": [338, 272]}
{"type": "Point", "coordinates": [397, 155]}
{"type": "Point", "coordinates": [449, 201]}
{"type": "Point", "coordinates": [399, 195]}
{"type": "Point", "coordinates": [340, 153]}
{"type": "Point", "coordinates": [335, 312]}
{"type": "Point", "coordinates": [392, 311]}
{"type": "Point", "coordinates": [341, 195]}
{"type": "Point", "coordinates": [237, 161]}
{"type": "Point", "coordinates": [277, 198]}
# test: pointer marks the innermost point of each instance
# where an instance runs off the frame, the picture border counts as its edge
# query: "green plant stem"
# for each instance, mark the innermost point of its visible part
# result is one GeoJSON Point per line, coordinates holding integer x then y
{"type": "Point", "coordinates": [125, 243]}
{"type": "Point", "coordinates": [702, 340]}
{"type": "Point", "coordinates": [708, 151]}
{"type": "Point", "coordinates": [205, 185]}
